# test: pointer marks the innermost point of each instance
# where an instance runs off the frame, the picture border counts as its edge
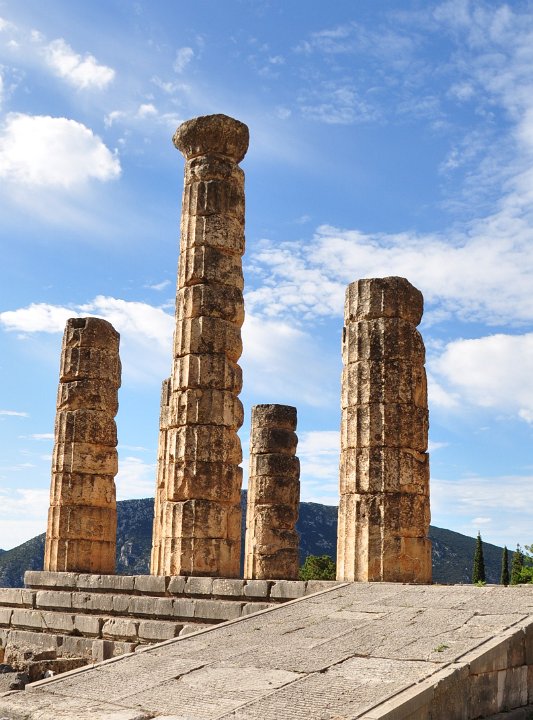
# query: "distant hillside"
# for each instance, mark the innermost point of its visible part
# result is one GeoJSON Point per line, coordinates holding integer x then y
{"type": "Point", "coordinates": [317, 525]}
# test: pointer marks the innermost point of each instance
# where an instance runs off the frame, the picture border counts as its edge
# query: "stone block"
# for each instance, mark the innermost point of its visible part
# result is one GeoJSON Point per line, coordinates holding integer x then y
{"type": "Point", "coordinates": [17, 596]}
{"type": "Point", "coordinates": [208, 336]}
{"type": "Point", "coordinates": [384, 469]}
{"type": "Point", "coordinates": [383, 339]}
{"type": "Point", "coordinates": [280, 417]}
{"type": "Point", "coordinates": [120, 629]}
{"type": "Point", "coordinates": [92, 602]}
{"type": "Point", "coordinates": [225, 233]}
{"type": "Point", "coordinates": [253, 607]}
{"type": "Point", "coordinates": [45, 579]}
{"type": "Point", "coordinates": [88, 625]}
{"type": "Point", "coordinates": [82, 522]}
{"type": "Point", "coordinates": [257, 588]}
{"type": "Point", "coordinates": [268, 490]}
{"type": "Point", "coordinates": [499, 653]}
{"type": "Point", "coordinates": [272, 517]}
{"type": "Point", "coordinates": [205, 264]}
{"type": "Point", "coordinates": [206, 372]}
{"type": "Point", "coordinates": [219, 610]}
{"type": "Point", "coordinates": [35, 640]}
{"type": "Point", "coordinates": [267, 539]}
{"type": "Point", "coordinates": [515, 688]}
{"type": "Point", "coordinates": [288, 589]}
{"type": "Point", "coordinates": [153, 631]}
{"type": "Point", "coordinates": [217, 481]}
{"type": "Point", "coordinates": [184, 608]}
{"type": "Point", "coordinates": [89, 363]}
{"type": "Point", "coordinates": [388, 381]}
{"type": "Point", "coordinates": [96, 427]}
{"type": "Point", "coordinates": [215, 557]}
{"type": "Point", "coordinates": [76, 647]}
{"type": "Point", "coordinates": [105, 583]}
{"type": "Point", "coordinates": [58, 622]}
{"type": "Point", "coordinates": [53, 599]}
{"type": "Point", "coordinates": [176, 584]}
{"type": "Point", "coordinates": [228, 588]}
{"type": "Point", "coordinates": [84, 458]}
{"type": "Point", "coordinates": [102, 650]}
{"type": "Point", "coordinates": [90, 332]}
{"type": "Point", "coordinates": [192, 628]}
{"type": "Point", "coordinates": [201, 519]}
{"type": "Point", "coordinates": [272, 440]}
{"type": "Point", "coordinates": [151, 584]}
{"type": "Point", "coordinates": [85, 555]}
{"type": "Point", "coordinates": [214, 197]}
{"type": "Point", "coordinates": [5, 615]}
{"type": "Point", "coordinates": [372, 298]}
{"type": "Point", "coordinates": [207, 407]}
{"type": "Point", "coordinates": [211, 167]}
{"type": "Point", "coordinates": [213, 300]}
{"type": "Point", "coordinates": [151, 606]}
{"type": "Point", "coordinates": [271, 561]}
{"type": "Point", "coordinates": [275, 465]}
{"type": "Point", "coordinates": [199, 585]}
{"type": "Point", "coordinates": [204, 443]}
{"type": "Point", "coordinates": [314, 586]}
{"type": "Point", "coordinates": [88, 394]}
{"type": "Point", "coordinates": [384, 425]}
{"type": "Point", "coordinates": [83, 489]}
{"type": "Point", "coordinates": [31, 619]}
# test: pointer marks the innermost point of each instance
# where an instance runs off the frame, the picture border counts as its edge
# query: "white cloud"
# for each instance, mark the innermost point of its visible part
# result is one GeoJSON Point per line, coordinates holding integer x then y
{"type": "Point", "coordinates": [42, 436]}
{"type": "Point", "coordinates": [14, 413]}
{"type": "Point", "coordinates": [183, 57]}
{"type": "Point", "coordinates": [159, 286]}
{"type": "Point", "coordinates": [82, 72]}
{"type": "Point", "coordinates": [146, 110]}
{"type": "Point", "coordinates": [56, 152]}
{"type": "Point", "coordinates": [23, 514]}
{"type": "Point", "coordinates": [319, 453]}
{"type": "Point", "coordinates": [146, 331]}
{"type": "Point", "coordinates": [1, 90]}
{"type": "Point", "coordinates": [491, 372]}
{"type": "Point", "coordinates": [111, 117]}
{"type": "Point", "coordinates": [135, 478]}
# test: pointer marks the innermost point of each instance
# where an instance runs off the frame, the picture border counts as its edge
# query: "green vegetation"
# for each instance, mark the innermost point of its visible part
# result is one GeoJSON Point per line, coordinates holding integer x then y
{"type": "Point", "coordinates": [504, 575]}
{"type": "Point", "coordinates": [441, 647]}
{"type": "Point", "coordinates": [478, 572]}
{"type": "Point", "coordinates": [517, 565]}
{"type": "Point", "coordinates": [318, 568]}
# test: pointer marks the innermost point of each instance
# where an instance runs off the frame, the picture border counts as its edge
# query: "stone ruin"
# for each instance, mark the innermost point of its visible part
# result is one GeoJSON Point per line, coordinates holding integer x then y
{"type": "Point", "coordinates": [195, 562]}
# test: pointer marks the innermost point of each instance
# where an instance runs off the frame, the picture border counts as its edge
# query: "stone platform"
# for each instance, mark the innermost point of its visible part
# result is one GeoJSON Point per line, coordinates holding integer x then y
{"type": "Point", "coordinates": [367, 651]}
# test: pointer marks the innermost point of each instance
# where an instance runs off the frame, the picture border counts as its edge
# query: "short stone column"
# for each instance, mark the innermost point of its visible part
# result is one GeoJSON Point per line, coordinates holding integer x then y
{"type": "Point", "coordinates": [384, 470]}
{"type": "Point", "coordinates": [82, 520]}
{"type": "Point", "coordinates": [272, 542]}
{"type": "Point", "coordinates": [161, 480]}
{"type": "Point", "coordinates": [199, 525]}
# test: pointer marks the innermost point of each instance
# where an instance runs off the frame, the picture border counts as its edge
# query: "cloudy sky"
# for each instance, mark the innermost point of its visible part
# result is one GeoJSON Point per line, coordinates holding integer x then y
{"type": "Point", "coordinates": [386, 139]}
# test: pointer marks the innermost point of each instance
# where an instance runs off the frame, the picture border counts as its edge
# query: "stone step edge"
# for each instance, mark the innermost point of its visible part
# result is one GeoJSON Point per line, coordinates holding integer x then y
{"type": "Point", "coordinates": [176, 585]}
{"type": "Point", "coordinates": [484, 665]}
{"type": "Point", "coordinates": [104, 627]}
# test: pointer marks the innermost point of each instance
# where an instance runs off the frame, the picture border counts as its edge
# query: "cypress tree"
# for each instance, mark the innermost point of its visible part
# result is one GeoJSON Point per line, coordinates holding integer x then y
{"type": "Point", "coordinates": [516, 565]}
{"type": "Point", "coordinates": [478, 573]}
{"type": "Point", "coordinates": [504, 577]}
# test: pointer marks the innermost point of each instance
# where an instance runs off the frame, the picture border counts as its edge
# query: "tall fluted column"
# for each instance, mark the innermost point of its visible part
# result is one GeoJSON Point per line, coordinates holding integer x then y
{"type": "Point", "coordinates": [82, 520]}
{"type": "Point", "coordinates": [384, 471]}
{"type": "Point", "coordinates": [200, 513]}
{"type": "Point", "coordinates": [272, 542]}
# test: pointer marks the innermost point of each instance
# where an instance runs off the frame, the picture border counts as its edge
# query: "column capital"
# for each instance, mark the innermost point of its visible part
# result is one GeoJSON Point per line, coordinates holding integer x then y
{"type": "Point", "coordinates": [212, 135]}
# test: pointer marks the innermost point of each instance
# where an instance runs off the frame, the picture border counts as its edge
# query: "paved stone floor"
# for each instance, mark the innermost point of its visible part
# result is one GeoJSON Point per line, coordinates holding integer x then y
{"type": "Point", "coordinates": [337, 654]}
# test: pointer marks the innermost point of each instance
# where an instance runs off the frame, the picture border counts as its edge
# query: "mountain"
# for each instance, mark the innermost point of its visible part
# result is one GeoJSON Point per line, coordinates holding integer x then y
{"type": "Point", "coordinates": [317, 524]}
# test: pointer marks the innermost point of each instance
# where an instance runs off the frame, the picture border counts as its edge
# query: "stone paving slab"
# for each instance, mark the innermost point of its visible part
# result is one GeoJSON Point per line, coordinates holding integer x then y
{"type": "Point", "coordinates": [369, 651]}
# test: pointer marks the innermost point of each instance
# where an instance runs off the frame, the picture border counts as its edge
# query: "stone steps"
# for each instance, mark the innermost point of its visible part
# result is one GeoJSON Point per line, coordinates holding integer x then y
{"type": "Point", "coordinates": [102, 616]}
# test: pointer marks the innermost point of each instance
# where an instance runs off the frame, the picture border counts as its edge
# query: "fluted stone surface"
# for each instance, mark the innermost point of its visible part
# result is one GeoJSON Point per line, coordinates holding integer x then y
{"type": "Point", "coordinates": [272, 542]}
{"type": "Point", "coordinates": [197, 509]}
{"type": "Point", "coordinates": [384, 469]}
{"type": "Point", "coordinates": [82, 521]}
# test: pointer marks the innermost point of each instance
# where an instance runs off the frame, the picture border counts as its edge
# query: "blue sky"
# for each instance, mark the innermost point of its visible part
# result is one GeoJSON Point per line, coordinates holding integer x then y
{"type": "Point", "coordinates": [386, 139]}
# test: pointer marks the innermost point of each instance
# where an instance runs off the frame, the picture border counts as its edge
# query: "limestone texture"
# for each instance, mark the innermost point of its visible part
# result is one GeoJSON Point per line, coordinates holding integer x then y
{"type": "Point", "coordinates": [384, 468]}
{"type": "Point", "coordinates": [197, 506]}
{"type": "Point", "coordinates": [272, 542]}
{"type": "Point", "coordinates": [82, 520]}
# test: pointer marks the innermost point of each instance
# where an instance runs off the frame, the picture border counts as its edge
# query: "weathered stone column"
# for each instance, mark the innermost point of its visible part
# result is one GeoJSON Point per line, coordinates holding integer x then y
{"type": "Point", "coordinates": [272, 542]}
{"type": "Point", "coordinates": [200, 513]}
{"type": "Point", "coordinates": [384, 470]}
{"type": "Point", "coordinates": [82, 520]}
{"type": "Point", "coordinates": [161, 485]}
